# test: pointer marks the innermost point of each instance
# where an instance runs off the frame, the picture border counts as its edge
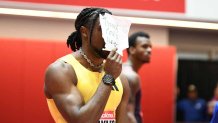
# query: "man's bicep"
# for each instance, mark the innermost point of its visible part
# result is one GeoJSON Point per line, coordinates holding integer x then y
{"type": "Point", "coordinates": [68, 103]}
{"type": "Point", "coordinates": [134, 84]}
{"type": "Point", "coordinates": [61, 89]}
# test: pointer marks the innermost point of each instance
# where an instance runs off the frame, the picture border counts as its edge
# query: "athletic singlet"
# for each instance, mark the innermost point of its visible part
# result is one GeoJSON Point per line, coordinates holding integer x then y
{"type": "Point", "coordinates": [87, 84]}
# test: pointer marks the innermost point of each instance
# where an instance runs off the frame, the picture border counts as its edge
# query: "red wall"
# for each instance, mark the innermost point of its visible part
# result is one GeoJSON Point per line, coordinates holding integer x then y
{"type": "Point", "coordinates": [23, 63]}
{"type": "Point", "coordinates": [152, 5]}
{"type": "Point", "coordinates": [158, 79]}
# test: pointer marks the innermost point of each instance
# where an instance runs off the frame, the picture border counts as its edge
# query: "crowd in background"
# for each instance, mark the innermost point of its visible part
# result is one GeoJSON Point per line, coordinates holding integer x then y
{"type": "Point", "coordinates": [194, 109]}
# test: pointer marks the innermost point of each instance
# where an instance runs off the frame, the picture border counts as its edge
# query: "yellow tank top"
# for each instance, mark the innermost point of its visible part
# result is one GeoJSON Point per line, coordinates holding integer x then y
{"type": "Point", "coordinates": [87, 84]}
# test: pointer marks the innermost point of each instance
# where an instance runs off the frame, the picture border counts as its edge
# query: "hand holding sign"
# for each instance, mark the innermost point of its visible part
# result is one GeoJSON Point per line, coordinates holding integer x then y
{"type": "Point", "coordinates": [115, 32]}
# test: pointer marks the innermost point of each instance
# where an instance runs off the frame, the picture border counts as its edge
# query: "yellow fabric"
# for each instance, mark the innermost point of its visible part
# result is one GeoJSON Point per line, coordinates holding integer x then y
{"type": "Point", "coordinates": [54, 112]}
{"type": "Point", "coordinates": [87, 84]}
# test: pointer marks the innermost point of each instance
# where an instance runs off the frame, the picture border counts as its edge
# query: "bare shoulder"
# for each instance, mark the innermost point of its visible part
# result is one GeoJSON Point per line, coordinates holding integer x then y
{"type": "Point", "coordinates": [126, 87]}
{"type": "Point", "coordinates": [124, 81]}
{"type": "Point", "coordinates": [130, 74]}
{"type": "Point", "coordinates": [59, 68]}
{"type": "Point", "coordinates": [59, 76]}
{"type": "Point", "coordinates": [132, 78]}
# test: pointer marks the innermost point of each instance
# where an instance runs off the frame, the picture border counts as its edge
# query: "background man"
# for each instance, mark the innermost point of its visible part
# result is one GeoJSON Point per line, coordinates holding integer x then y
{"type": "Point", "coordinates": [139, 52]}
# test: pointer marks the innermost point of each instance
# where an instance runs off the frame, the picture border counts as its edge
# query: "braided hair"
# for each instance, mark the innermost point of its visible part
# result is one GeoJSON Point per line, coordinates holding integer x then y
{"type": "Point", "coordinates": [87, 18]}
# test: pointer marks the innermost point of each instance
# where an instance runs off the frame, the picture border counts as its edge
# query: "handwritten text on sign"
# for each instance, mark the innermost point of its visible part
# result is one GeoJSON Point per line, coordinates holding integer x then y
{"type": "Point", "coordinates": [115, 32]}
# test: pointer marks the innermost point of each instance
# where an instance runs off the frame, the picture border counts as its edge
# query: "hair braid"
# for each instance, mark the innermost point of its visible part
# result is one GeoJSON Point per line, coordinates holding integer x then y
{"type": "Point", "coordinates": [87, 17]}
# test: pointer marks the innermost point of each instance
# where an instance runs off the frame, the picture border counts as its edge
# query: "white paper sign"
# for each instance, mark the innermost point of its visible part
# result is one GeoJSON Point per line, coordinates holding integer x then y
{"type": "Point", "coordinates": [115, 32]}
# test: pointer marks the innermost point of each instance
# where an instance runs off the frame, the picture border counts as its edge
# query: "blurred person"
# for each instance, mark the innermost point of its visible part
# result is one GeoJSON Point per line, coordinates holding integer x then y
{"type": "Point", "coordinates": [139, 53]}
{"type": "Point", "coordinates": [212, 102]}
{"type": "Point", "coordinates": [80, 87]}
{"type": "Point", "coordinates": [193, 108]}
{"type": "Point", "coordinates": [215, 114]}
{"type": "Point", "coordinates": [215, 97]}
{"type": "Point", "coordinates": [210, 108]}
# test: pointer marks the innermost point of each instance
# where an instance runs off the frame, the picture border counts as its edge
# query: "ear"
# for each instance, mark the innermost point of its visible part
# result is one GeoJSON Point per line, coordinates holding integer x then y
{"type": "Point", "coordinates": [132, 50]}
{"type": "Point", "coordinates": [84, 31]}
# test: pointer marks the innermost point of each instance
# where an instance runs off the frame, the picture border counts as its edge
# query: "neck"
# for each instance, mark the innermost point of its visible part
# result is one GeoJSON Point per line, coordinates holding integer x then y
{"type": "Point", "coordinates": [92, 62]}
{"type": "Point", "coordinates": [135, 64]}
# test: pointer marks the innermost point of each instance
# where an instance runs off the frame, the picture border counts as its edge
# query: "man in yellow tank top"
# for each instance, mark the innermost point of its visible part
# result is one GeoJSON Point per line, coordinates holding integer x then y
{"type": "Point", "coordinates": [86, 86]}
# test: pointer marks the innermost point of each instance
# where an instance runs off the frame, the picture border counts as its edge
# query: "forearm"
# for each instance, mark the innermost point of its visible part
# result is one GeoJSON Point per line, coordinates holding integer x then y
{"type": "Point", "coordinates": [131, 117]}
{"type": "Point", "coordinates": [131, 111]}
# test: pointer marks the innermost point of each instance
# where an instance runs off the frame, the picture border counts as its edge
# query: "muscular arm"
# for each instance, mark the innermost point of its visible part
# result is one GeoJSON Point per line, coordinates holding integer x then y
{"type": "Point", "coordinates": [121, 112]}
{"type": "Point", "coordinates": [133, 80]}
{"type": "Point", "coordinates": [59, 83]}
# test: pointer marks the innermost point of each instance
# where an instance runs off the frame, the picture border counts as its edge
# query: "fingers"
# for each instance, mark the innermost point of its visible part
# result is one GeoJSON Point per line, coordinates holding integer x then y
{"type": "Point", "coordinates": [115, 56]}
{"type": "Point", "coordinates": [120, 60]}
{"type": "Point", "coordinates": [113, 64]}
{"type": "Point", "coordinates": [113, 51]}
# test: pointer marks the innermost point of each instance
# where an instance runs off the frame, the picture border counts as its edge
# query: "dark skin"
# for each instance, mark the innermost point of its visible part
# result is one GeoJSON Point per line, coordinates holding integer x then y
{"type": "Point", "coordinates": [138, 55]}
{"type": "Point", "coordinates": [61, 81]}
